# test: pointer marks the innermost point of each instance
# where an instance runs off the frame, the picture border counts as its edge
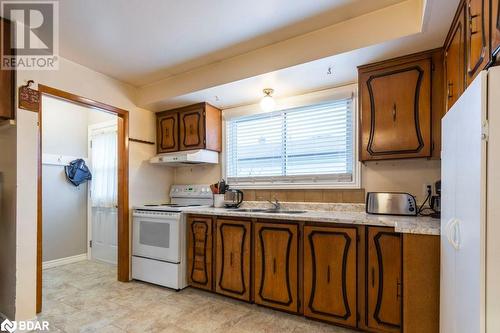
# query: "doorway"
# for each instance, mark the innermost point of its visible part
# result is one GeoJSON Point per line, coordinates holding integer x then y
{"type": "Point", "coordinates": [121, 210]}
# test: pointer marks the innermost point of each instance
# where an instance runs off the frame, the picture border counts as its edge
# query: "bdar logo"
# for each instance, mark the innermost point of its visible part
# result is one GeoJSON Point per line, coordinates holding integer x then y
{"type": "Point", "coordinates": [8, 326]}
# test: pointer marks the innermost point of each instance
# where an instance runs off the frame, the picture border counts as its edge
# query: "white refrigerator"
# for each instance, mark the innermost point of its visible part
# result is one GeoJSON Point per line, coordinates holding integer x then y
{"type": "Point", "coordinates": [470, 214]}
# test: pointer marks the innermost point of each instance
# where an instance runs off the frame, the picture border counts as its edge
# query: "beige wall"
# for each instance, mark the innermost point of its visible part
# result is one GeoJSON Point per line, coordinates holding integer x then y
{"type": "Point", "coordinates": [7, 220]}
{"type": "Point", "coordinates": [147, 182]}
{"type": "Point", "coordinates": [398, 175]}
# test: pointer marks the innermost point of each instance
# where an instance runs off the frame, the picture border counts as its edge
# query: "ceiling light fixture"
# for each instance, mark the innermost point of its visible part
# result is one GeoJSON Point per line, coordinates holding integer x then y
{"type": "Point", "coordinates": [267, 103]}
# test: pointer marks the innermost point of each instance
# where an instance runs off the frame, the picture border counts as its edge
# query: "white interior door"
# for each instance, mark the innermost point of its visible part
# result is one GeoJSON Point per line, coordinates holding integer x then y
{"type": "Point", "coordinates": [103, 212]}
{"type": "Point", "coordinates": [104, 234]}
{"type": "Point", "coordinates": [448, 181]}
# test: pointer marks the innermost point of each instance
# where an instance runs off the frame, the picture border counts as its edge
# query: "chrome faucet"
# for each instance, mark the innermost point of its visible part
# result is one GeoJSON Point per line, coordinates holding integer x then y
{"type": "Point", "coordinates": [275, 203]}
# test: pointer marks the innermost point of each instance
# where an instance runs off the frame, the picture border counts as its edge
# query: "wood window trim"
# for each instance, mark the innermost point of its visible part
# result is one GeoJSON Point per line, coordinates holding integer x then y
{"type": "Point", "coordinates": [123, 260]}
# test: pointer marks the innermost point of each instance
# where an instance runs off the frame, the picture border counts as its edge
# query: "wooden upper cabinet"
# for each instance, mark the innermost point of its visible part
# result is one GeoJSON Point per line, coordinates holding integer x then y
{"type": "Point", "coordinates": [384, 277]}
{"type": "Point", "coordinates": [478, 36]}
{"type": "Point", "coordinates": [396, 109]}
{"type": "Point", "coordinates": [330, 274]}
{"type": "Point", "coordinates": [233, 258]}
{"type": "Point", "coordinates": [192, 127]}
{"type": "Point", "coordinates": [200, 127]}
{"type": "Point", "coordinates": [276, 266]}
{"type": "Point", "coordinates": [167, 127]}
{"type": "Point", "coordinates": [495, 28]}
{"type": "Point", "coordinates": [199, 249]}
{"type": "Point", "coordinates": [454, 59]}
{"type": "Point", "coordinates": [7, 77]}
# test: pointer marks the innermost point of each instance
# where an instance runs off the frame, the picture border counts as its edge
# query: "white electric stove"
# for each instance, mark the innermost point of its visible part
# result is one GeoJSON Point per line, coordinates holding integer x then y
{"type": "Point", "coordinates": [159, 237]}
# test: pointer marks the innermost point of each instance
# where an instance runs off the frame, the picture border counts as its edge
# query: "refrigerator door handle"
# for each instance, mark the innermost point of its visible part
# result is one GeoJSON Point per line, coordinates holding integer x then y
{"type": "Point", "coordinates": [448, 230]}
{"type": "Point", "coordinates": [455, 234]}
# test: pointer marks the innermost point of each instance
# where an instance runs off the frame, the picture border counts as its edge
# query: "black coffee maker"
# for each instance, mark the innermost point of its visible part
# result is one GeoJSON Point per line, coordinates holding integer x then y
{"type": "Point", "coordinates": [436, 201]}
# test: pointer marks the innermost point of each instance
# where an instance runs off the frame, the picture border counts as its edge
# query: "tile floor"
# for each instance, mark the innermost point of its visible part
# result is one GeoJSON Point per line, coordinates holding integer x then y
{"type": "Point", "coordinates": [85, 297]}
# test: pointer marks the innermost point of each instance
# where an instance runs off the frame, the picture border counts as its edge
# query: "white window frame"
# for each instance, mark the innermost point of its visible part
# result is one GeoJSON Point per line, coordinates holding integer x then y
{"type": "Point", "coordinates": [348, 91]}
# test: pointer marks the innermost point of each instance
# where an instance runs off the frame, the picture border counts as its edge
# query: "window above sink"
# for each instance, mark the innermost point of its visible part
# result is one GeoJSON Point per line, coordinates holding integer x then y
{"type": "Point", "coordinates": [308, 143]}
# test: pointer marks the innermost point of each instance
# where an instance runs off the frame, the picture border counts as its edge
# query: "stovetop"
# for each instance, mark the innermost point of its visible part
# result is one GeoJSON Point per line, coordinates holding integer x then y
{"type": "Point", "coordinates": [164, 207]}
{"type": "Point", "coordinates": [182, 196]}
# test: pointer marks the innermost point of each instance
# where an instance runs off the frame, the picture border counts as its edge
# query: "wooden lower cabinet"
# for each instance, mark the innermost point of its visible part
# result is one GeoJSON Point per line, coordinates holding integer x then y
{"type": "Point", "coordinates": [199, 252]}
{"type": "Point", "coordinates": [369, 278]}
{"type": "Point", "coordinates": [233, 258]}
{"type": "Point", "coordinates": [330, 274]}
{"type": "Point", "coordinates": [276, 266]}
{"type": "Point", "coordinates": [384, 278]}
{"type": "Point", "coordinates": [421, 273]}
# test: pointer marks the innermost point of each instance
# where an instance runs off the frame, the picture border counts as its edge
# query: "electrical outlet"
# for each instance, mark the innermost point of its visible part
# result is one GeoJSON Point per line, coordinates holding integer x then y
{"type": "Point", "coordinates": [427, 190]}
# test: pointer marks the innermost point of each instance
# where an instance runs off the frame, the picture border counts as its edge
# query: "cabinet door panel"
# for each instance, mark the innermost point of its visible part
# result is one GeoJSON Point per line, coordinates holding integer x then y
{"type": "Point", "coordinates": [495, 27]}
{"type": "Point", "coordinates": [478, 37]}
{"type": "Point", "coordinates": [454, 61]}
{"type": "Point", "coordinates": [167, 132]}
{"type": "Point", "coordinates": [192, 129]}
{"type": "Point", "coordinates": [330, 274]}
{"type": "Point", "coordinates": [200, 252]}
{"type": "Point", "coordinates": [396, 112]}
{"type": "Point", "coordinates": [7, 77]}
{"type": "Point", "coordinates": [276, 266]}
{"type": "Point", "coordinates": [384, 280]}
{"type": "Point", "coordinates": [233, 258]}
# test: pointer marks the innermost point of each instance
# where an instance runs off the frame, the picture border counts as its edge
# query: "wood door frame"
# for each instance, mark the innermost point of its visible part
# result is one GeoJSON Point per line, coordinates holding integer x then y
{"type": "Point", "coordinates": [123, 260]}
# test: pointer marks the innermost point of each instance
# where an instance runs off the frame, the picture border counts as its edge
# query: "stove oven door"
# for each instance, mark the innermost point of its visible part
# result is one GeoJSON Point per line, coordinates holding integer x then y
{"type": "Point", "coordinates": [156, 235]}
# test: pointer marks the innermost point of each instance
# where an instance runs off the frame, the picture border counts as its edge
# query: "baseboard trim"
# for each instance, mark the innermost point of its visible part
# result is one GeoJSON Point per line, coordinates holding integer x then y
{"type": "Point", "coordinates": [64, 261]}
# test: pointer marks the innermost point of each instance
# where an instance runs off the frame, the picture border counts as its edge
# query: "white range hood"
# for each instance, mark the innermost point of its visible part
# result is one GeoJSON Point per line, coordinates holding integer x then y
{"type": "Point", "coordinates": [188, 157]}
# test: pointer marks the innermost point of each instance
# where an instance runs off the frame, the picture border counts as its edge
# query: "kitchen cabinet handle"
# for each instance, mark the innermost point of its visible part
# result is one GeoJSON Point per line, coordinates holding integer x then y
{"type": "Point", "coordinates": [231, 259]}
{"type": "Point", "coordinates": [373, 277]}
{"type": "Point", "coordinates": [398, 289]}
{"type": "Point", "coordinates": [328, 274]}
{"type": "Point", "coordinates": [450, 89]}
{"type": "Point", "coordinates": [274, 265]}
{"type": "Point", "coordinates": [394, 112]}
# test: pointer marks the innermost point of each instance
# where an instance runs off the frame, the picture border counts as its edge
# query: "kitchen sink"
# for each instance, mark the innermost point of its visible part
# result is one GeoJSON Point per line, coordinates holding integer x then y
{"type": "Point", "coordinates": [249, 210]}
{"type": "Point", "coordinates": [285, 211]}
{"type": "Point", "coordinates": [274, 211]}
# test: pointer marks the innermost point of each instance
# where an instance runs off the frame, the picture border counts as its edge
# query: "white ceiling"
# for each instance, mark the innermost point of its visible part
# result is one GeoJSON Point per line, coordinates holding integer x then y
{"type": "Point", "coordinates": [313, 75]}
{"type": "Point", "coordinates": [141, 42]}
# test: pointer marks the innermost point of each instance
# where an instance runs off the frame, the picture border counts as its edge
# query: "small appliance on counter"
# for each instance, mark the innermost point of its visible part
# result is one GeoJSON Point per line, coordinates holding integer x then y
{"type": "Point", "coordinates": [391, 203]}
{"type": "Point", "coordinates": [233, 198]}
{"type": "Point", "coordinates": [436, 201]}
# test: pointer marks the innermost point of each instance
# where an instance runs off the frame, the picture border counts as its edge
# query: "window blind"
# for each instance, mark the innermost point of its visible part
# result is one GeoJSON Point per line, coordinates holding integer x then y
{"type": "Point", "coordinates": [301, 145]}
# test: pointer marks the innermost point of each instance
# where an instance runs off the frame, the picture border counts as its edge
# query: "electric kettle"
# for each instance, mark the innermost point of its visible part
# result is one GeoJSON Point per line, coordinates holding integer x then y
{"type": "Point", "coordinates": [233, 198]}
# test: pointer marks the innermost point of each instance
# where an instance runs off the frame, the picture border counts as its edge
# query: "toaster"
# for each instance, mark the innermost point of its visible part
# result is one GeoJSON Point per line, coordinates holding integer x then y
{"type": "Point", "coordinates": [391, 203]}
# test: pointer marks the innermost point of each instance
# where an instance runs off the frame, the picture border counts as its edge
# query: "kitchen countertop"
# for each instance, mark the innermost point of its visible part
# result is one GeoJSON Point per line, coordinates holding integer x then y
{"type": "Point", "coordinates": [339, 213]}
